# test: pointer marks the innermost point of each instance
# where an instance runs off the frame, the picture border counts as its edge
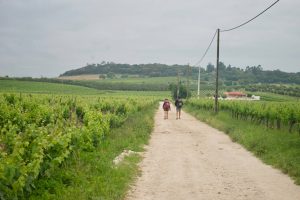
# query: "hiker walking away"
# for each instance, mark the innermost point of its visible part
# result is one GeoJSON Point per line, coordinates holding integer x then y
{"type": "Point", "coordinates": [166, 106]}
{"type": "Point", "coordinates": [178, 104]}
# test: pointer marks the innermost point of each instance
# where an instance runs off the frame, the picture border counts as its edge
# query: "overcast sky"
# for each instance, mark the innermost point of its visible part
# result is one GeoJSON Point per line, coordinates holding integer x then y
{"type": "Point", "coordinates": [46, 38]}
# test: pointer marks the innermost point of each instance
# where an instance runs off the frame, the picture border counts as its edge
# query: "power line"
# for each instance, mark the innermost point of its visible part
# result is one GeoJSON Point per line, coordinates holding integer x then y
{"type": "Point", "coordinates": [250, 19]}
{"type": "Point", "coordinates": [197, 63]}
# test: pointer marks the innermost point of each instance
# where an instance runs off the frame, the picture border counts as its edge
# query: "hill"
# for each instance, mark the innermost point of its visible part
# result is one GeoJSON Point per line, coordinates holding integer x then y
{"type": "Point", "coordinates": [152, 70]}
{"type": "Point", "coordinates": [229, 75]}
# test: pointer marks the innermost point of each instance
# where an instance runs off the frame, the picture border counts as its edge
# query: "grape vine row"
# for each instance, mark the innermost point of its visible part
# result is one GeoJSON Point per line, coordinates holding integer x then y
{"type": "Point", "coordinates": [272, 114]}
{"type": "Point", "coordinates": [39, 132]}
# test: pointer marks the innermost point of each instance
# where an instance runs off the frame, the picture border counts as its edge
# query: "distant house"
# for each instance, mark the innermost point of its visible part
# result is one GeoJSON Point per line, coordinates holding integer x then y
{"type": "Point", "coordinates": [255, 97]}
{"type": "Point", "coordinates": [234, 94]}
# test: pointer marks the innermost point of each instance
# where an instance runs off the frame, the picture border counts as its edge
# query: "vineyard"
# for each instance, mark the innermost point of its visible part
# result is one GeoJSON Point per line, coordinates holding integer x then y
{"type": "Point", "coordinates": [272, 114]}
{"type": "Point", "coordinates": [40, 132]}
{"type": "Point", "coordinates": [289, 90]}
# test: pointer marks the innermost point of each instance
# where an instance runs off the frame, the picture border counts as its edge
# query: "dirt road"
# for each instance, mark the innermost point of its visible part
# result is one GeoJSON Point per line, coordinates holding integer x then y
{"type": "Point", "coordinates": [187, 159]}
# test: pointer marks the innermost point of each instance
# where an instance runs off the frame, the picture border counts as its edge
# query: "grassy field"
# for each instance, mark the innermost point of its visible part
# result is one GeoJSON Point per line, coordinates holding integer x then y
{"type": "Point", "coordinates": [147, 82]}
{"type": "Point", "coordinates": [265, 96]}
{"type": "Point", "coordinates": [138, 80]}
{"type": "Point", "coordinates": [131, 79]}
{"type": "Point", "coordinates": [43, 87]}
{"type": "Point", "coordinates": [154, 81]}
{"type": "Point", "coordinates": [16, 86]}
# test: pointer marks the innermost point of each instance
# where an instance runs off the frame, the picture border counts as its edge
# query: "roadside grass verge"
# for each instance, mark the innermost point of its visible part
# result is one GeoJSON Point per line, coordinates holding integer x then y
{"type": "Point", "coordinates": [92, 175]}
{"type": "Point", "coordinates": [278, 148]}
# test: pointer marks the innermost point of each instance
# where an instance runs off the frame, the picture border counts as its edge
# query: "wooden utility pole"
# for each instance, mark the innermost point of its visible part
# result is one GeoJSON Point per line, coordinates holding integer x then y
{"type": "Point", "coordinates": [177, 83]}
{"type": "Point", "coordinates": [199, 83]}
{"type": "Point", "coordinates": [188, 80]}
{"type": "Point", "coordinates": [217, 74]}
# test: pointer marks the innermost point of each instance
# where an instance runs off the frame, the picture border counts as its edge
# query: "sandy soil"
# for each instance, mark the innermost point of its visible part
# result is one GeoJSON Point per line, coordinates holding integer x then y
{"type": "Point", "coordinates": [187, 159]}
{"type": "Point", "coordinates": [85, 77]}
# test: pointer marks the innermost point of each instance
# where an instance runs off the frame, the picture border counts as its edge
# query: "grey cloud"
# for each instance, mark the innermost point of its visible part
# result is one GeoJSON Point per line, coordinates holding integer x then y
{"type": "Point", "coordinates": [48, 37]}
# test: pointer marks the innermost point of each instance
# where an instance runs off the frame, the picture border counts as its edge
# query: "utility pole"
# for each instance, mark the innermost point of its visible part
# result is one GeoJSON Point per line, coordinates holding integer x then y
{"type": "Point", "coordinates": [199, 83]}
{"type": "Point", "coordinates": [187, 80]}
{"type": "Point", "coordinates": [177, 83]}
{"type": "Point", "coordinates": [217, 74]}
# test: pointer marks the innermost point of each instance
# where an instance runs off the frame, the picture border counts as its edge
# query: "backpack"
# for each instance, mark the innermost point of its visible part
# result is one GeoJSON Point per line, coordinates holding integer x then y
{"type": "Point", "coordinates": [180, 104]}
{"type": "Point", "coordinates": [166, 106]}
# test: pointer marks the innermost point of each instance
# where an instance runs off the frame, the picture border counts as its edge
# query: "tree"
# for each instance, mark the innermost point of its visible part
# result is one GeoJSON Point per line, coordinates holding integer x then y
{"type": "Point", "coordinates": [111, 75]}
{"type": "Point", "coordinates": [102, 76]}
{"type": "Point", "coordinates": [222, 66]}
{"type": "Point", "coordinates": [210, 68]}
{"type": "Point", "coordinates": [183, 93]}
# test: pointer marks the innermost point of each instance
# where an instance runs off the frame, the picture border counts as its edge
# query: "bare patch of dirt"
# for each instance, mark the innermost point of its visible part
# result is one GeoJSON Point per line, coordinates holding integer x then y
{"type": "Point", "coordinates": [86, 77]}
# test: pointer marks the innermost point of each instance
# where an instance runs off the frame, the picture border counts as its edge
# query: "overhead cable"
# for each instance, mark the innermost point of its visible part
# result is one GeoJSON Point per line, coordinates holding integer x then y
{"type": "Point", "coordinates": [250, 19]}
{"type": "Point", "coordinates": [198, 63]}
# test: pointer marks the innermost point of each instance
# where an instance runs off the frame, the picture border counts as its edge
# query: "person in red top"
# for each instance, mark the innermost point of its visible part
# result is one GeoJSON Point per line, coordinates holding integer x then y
{"type": "Point", "coordinates": [167, 107]}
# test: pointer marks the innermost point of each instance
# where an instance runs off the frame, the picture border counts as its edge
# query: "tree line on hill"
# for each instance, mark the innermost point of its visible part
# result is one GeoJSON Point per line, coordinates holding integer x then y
{"type": "Point", "coordinates": [273, 88]}
{"type": "Point", "coordinates": [229, 75]}
{"type": "Point", "coordinates": [150, 70]}
{"type": "Point", "coordinates": [252, 79]}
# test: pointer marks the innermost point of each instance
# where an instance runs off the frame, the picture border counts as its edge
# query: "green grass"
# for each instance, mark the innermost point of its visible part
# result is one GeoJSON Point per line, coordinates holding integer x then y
{"type": "Point", "coordinates": [16, 86]}
{"type": "Point", "coordinates": [266, 96]}
{"type": "Point", "coordinates": [152, 81]}
{"type": "Point", "coordinates": [43, 87]}
{"type": "Point", "coordinates": [160, 94]}
{"type": "Point", "coordinates": [278, 148]}
{"type": "Point", "coordinates": [92, 175]}
{"type": "Point", "coordinates": [138, 80]}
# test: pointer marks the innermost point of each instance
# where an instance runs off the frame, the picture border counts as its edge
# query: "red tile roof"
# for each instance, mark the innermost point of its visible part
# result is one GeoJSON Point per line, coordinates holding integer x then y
{"type": "Point", "coordinates": [234, 94]}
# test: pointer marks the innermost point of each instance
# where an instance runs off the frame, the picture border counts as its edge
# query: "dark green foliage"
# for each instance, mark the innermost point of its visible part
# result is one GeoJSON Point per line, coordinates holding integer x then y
{"type": "Point", "coordinates": [210, 68]}
{"type": "Point", "coordinates": [255, 74]}
{"type": "Point", "coordinates": [11, 98]}
{"type": "Point", "coordinates": [102, 76]}
{"type": "Point", "coordinates": [183, 93]}
{"type": "Point", "coordinates": [152, 70]}
{"type": "Point", "coordinates": [290, 90]}
{"type": "Point", "coordinates": [228, 74]}
{"type": "Point", "coordinates": [111, 75]}
{"type": "Point", "coordinates": [66, 113]}
{"type": "Point", "coordinates": [79, 113]}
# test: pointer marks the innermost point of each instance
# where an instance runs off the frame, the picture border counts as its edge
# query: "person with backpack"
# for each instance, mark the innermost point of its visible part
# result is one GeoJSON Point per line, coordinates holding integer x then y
{"type": "Point", "coordinates": [166, 107]}
{"type": "Point", "coordinates": [178, 104]}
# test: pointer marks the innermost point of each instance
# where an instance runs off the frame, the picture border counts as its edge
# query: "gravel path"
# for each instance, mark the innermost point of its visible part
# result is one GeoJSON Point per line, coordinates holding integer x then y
{"type": "Point", "coordinates": [187, 159]}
